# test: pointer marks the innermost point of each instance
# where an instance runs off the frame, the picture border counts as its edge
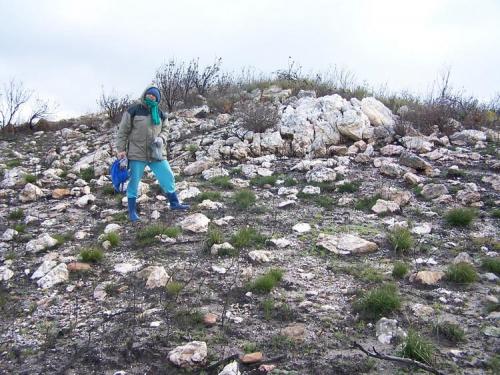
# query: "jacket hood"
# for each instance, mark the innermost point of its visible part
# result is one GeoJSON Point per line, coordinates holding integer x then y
{"type": "Point", "coordinates": [142, 97]}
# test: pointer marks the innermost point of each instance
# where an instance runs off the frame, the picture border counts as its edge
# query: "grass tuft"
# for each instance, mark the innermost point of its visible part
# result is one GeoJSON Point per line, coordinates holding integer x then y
{"type": "Point", "coordinates": [263, 180]}
{"type": "Point", "coordinates": [418, 348]}
{"type": "Point", "coordinates": [146, 235]}
{"type": "Point", "coordinates": [224, 182]}
{"type": "Point", "coordinates": [378, 302]}
{"type": "Point", "coordinates": [173, 288]}
{"type": "Point", "coordinates": [266, 282]}
{"type": "Point", "coordinates": [452, 332]}
{"type": "Point", "coordinates": [91, 255]}
{"type": "Point", "coordinates": [214, 236]}
{"type": "Point", "coordinates": [401, 239]}
{"type": "Point", "coordinates": [247, 237]}
{"type": "Point", "coordinates": [212, 195]}
{"type": "Point", "coordinates": [366, 204]}
{"type": "Point", "coordinates": [460, 217]}
{"type": "Point", "coordinates": [244, 199]}
{"type": "Point", "coordinates": [17, 214]}
{"type": "Point", "coordinates": [87, 174]}
{"type": "Point", "coordinates": [349, 187]}
{"type": "Point", "coordinates": [29, 178]}
{"type": "Point", "coordinates": [112, 237]}
{"type": "Point", "coordinates": [400, 270]}
{"type": "Point", "coordinates": [491, 265]}
{"type": "Point", "coordinates": [461, 273]}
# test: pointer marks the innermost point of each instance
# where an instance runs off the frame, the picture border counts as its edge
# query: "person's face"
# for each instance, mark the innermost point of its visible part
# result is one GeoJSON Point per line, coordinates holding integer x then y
{"type": "Point", "coordinates": [151, 96]}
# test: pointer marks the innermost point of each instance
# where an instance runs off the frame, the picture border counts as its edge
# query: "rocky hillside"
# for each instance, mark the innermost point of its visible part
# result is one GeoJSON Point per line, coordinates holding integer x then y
{"type": "Point", "coordinates": [333, 227]}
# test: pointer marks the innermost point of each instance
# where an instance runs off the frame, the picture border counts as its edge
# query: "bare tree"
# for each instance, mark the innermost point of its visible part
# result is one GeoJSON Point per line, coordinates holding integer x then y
{"type": "Point", "coordinates": [40, 110]}
{"type": "Point", "coordinates": [206, 79]}
{"type": "Point", "coordinates": [14, 97]}
{"type": "Point", "coordinates": [113, 105]}
{"type": "Point", "coordinates": [168, 78]}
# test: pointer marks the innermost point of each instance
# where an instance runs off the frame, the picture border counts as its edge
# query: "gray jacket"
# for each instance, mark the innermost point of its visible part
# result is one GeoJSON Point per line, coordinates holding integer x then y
{"type": "Point", "coordinates": [136, 132]}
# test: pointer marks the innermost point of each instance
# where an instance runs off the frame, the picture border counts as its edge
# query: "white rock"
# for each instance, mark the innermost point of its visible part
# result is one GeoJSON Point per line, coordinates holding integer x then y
{"type": "Point", "coordinates": [311, 190]}
{"type": "Point", "coordinates": [156, 276]}
{"type": "Point", "coordinates": [230, 369]}
{"type": "Point", "coordinates": [196, 167]}
{"type": "Point", "coordinates": [190, 192]}
{"type": "Point", "coordinates": [125, 268]}
{"type": "Point", "coordinates": [85, 200]}
{"type": "Point", "coordinates": [192, 354]}
{"type": "Point", "coordinates": [424, 228]}
{"type": "Point", "coordinates": [30, 193]}
{"type": "Point", "coordinates": [214, 172]}
{"type": "Point", "coordinates": [9, 234]}
{"type": "Point", "coordinates": [383, 206]}
{"type": "Point", "coordinates": [345, 243]}
{"type": "Point", "coordinates": [197, 223]}
{"type": "Point", "coordinates": [287, 203]}
{"type": "Point", "coordinates": [56, 275]}
{"type": "Point", "coordinates": [44, 241]}
{"type": "Point", "coordinates": [280, 243]}
{"type": "Point", "coordinates": [223, 220]}
{"type": "Point", "coordinates": [260, 256]}
{"type": "Point", "coordinates": [321, 174]}
{"type": "Point", "coordinates": [226, 246]}
{"type": "Point", "coordinates": [44, 268]}
{"type": "Point", "coordinates": [387, 329]}
{"type": "Point", "coordinates": [207, 204]}
{"type": "Point", "coordinates": [5, 273]}
{"type": "Point", "coordinates": [301, 228]}
{"type": "Point", "coordinates": [377, 112]}
{"type": "Point", "coordinates": [112, 228]}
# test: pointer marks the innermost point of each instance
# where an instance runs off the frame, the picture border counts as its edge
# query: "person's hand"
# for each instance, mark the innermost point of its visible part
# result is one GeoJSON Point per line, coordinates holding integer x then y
{"type": "Point", "coordinates": [121, 154]}
{"type": "Point", "coordinates": [158, 141]}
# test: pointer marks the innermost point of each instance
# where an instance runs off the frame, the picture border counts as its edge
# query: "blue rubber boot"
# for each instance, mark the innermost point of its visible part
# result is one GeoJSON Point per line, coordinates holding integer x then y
{"type": "Point", "coordinates": [174, 202]}
{"type": "Point", "coordinates": [132, 210]}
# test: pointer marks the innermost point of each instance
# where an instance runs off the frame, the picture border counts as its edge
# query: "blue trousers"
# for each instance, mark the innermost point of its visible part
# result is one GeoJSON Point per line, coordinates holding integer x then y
{"type": "Point", "coordinates": [161, 170]}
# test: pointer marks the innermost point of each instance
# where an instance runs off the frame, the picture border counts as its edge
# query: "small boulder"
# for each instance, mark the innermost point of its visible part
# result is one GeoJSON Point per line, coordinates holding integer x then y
{"type": "Point", "coordinates": [192, 354]}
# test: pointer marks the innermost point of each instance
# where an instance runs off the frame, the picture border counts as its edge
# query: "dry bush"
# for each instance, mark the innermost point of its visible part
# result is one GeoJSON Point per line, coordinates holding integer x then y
{"type": "Point", "coordinates": [113, 105]}
{"type": "Point", "coordinates": [257, 116]}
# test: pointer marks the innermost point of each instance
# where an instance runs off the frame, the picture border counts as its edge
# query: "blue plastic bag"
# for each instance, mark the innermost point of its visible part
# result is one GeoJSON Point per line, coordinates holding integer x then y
{"type": "Point", "coordinates": [119, 175]}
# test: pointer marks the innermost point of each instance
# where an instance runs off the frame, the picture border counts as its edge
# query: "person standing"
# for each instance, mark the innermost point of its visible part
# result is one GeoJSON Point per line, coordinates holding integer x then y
{"type": "Point", "coordinates": [142, 138]}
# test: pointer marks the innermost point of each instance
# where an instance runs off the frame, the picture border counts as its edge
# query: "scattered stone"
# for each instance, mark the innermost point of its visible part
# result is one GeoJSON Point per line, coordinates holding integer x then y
{"type": "Point", "coordinates": [209, 319]}
{"type": "Point", "coordinates": [85, 200]}
{"type": "Point", "coordinates": [411, 160]}
{"type": "Point", "coordinates": [427, 277]}
{"type": "Point", "coordinates": [230, 369]}
{"type": "Point", "coordinates": [9, 234]}
{"type": "Point", "coordinates": [216, 248]}
{"type": "Point", "coordinates": [196, 223]}
{"type": "Point", "coordinates": [463, 257]}
{"type": "Point", "coordinates": [156, 276]}
{"type": "Point", "coordinates": [251, 358]}
{"type": "Point", "coordinates": [56, 275]}
{"type": "Point", "coordinates": [345, 243]}
{"type": "Point", "coordinates": [321, 174]}
{"type": "Point", "coordinates": [189, 193]}
{"type": "Point", "coordinates": [301, 228]}
{"type": "Point", "coordinates": [30, 193]}
{"type": "Point", "coordinates": [196, 167]}
{"type": "Point", "coordinates": [60, 193]}
{"type": "Point", "coordinates": [260, 256]}
{"type": "Point", "coordinates": [44, 241]}
{"type": "Point", "coordinates": [422, 311]}
{"type": "Point", "coordinates": [387, 329]}
{"type": "Point", "coordinates": [295, 332]}
{"type": "Point", "coordinates": [112, 228]}
{"type": "Point", "coordinates": [193, 353]}
{"type": "Point", "coordinates": [383, 207]}
{"type": "Point", "coordinates": [311, 190]}
{"type": "Point", "coordinates": [78, 267]}
{"type": "Point", "coordinates": [422, 229]}
{"type": "Point", "coordinates": [280, 243]}
{"type": "Point", "coordinates": [5, 273]}
{"type": "Point", "coordinates": [431, 191]}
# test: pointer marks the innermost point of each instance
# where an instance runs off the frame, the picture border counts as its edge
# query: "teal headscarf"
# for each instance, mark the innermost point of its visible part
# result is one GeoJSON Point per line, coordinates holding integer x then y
{"type": "Point", "coordinates": [153, 107]}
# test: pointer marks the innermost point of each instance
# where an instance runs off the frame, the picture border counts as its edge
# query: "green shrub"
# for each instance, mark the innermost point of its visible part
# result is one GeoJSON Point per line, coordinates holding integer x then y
{"type": "Point", "coordinates": [214, 236]}
{"type": "Point", "coordinates": [450, 331]}
{"type": "Point", "coordinates": [495, 213]}
{"type": "Point", "coordinates": [401, 239]}
{"type": "Point", "coordinates": [188, 318]}
{"type": "Point", "coordinates": [16, 214]}
{"type": "Point", "coordinates": [108, 190]}
{"type": "Point", "coordinates": [267, 308]}
{"type": "Point", "coordinates": [87, 174]}
{"type": "Point", "coordinates": [349, 187]}
{"type": "Point", "coordinates": [247, 237]}
{"type": "Point", "coordinates": [460, 217]}
{"type": "Point", "coordinates": [266, 282]}
{"type": "Point", "coordinates": [281, 343]}
{"type": "Point", "coordinates": [418, 348]}
{"type": "Point", "coordinates": [491, 265]}
{"type": "Point", "coordinates": [323, 201]}
{"type": "Point", "coordinates": [244, 199]}
{"type": "Point", "coordinates": [250, 347]}
{"type": "Point", "coordinates": [62, 238]}
{"type": "Point", "coordinates": [290, 181]}
{"type": "Point", "coordinates": [21, 228]}
{"type": "Point", "coordinates": [325, 187]}
{"type": "Point", "coordinates": [146, 235]}
{"type": "Point", "coordinates": [112, 289]}
{"type": "Point", "coordinates": [173, 288]}
{"type": "Point", "coordinates": [29, 178]}
{"type": "Point", "coordinates": [366, 204]}
{"type": "Point", "coordinates": [461, 273]}
{"type": "Point", "coordinates": [400, 270]}
{"type": "Point", "coordinates": [378, 302]}
{"type": "Point", "coordinates": [112, 237]}
{"type": "Point", "coordinates": [13, 163]}
{"type": "Point", "coordinates": [224, 182]}
{"type": "Point", "coordinates": [263, 180]}
{"type": "Point", "coordinates": [212, 195]}
{"type": "Point", "coordinates": [91, 255]}
{"type": "Point", "coordinates": [192, 148]}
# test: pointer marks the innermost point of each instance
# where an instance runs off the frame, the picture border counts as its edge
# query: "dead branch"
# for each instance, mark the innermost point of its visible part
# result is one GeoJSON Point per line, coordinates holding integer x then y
{"type": "Point", "coordinates": [406, 361]}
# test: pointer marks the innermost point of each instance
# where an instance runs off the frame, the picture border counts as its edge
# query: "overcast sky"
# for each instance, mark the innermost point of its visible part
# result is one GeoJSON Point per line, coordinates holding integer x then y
{"type": "Point", "coordinates": [66, 50]}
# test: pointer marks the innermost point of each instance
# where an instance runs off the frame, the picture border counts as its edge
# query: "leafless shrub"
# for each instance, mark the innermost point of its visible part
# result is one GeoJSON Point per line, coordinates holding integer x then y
{"type": "Point", "coordinates": [257, 116]}
{"type": "Point", "coordinates": [113, 105]}
{"type": "Point", "coordinates": [13, 98]}
{"type": "Point", "coordinates": [40, 110]}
